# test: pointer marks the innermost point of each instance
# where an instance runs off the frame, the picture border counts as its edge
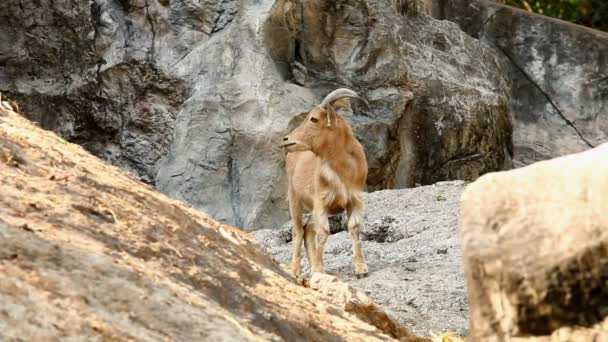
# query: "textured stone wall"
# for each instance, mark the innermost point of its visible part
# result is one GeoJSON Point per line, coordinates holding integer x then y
{"type": "Point", "coordinates": [559, 71]}
{"type": "Point", "coordinates": [193, 96]}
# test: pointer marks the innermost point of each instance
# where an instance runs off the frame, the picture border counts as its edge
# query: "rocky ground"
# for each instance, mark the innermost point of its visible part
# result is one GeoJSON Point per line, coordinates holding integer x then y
{"type": "Point", "coordinates": [410, 241]}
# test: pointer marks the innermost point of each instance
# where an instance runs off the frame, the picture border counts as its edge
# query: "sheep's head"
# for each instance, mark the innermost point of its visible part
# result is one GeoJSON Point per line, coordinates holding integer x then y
{"type": "Point", "coordinates": [322, 125]}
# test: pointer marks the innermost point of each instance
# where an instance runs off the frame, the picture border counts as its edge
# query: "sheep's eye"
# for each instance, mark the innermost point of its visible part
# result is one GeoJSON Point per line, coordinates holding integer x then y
{"type": "Point", "coordinates": [313, 119]}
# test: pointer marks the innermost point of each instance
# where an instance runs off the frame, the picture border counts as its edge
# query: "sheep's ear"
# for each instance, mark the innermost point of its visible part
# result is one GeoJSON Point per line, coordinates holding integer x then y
{"type": "Point", "coordinates": [343, 103]}
{"type": "Point", "coordinates": [331, 115]}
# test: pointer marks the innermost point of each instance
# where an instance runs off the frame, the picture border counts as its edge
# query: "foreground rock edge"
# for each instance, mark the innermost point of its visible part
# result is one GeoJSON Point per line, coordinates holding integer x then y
{"type": "Point", "coordinates": [535, 250]}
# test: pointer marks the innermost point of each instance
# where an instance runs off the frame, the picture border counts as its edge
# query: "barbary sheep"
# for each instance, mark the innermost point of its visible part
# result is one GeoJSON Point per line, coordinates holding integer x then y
{"type": "Point", "coordinates": [327, 171]}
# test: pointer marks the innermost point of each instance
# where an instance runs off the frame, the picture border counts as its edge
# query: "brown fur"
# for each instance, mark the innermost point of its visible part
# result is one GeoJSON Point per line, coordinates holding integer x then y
{"type": "Point", "coordinates": [327, 171]}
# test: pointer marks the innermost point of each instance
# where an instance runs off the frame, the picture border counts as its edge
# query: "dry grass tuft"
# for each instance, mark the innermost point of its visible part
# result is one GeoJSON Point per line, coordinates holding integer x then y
{"type": "Point", "coordinates": [445, 337]}
{"type": "Point", "coordinates": [6, 156]}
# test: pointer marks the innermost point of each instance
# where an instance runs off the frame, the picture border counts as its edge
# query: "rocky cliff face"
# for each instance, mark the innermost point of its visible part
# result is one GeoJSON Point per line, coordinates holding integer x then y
{"type": "Point", "coordinates": [193, 96]}
{"type": "Point", "coordinates": [88, 253]}
{"type": "Point", "coordinates": [559, 95]}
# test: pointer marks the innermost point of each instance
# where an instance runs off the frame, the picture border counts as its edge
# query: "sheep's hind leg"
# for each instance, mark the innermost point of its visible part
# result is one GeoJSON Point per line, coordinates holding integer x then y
{"type": "Point", "coordinates": [355, 218]}
{"type": "Point", "coordinates": [321, 233]}
{"type": "Point", "coordinates": [309, 242]}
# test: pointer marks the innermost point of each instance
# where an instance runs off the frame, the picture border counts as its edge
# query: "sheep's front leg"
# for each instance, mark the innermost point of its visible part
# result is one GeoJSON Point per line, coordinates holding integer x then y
{"type": "Point", "coordinates": [321, 233]}
{"type": "Point", "coordinates": [298, 235]}
{"type": "Point", "coordinates": [355, 218]}
{"type": "Point", "coordinates": [309, 242]}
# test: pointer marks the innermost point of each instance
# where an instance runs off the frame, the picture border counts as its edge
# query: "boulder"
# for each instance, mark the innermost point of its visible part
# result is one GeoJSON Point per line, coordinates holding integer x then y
{"type": "Point", "coordinates": [535, 248]}
{"type": "Point", "coordinates": [421, 82]}
{"type": "Point", "coordinates": [411, 245]}
{"type": "Point", "coordinates": [559, 74]}
{"type": "Point", "coordinates": [89, 253]}
{"type": "Point", "coordinates": [193, 96]}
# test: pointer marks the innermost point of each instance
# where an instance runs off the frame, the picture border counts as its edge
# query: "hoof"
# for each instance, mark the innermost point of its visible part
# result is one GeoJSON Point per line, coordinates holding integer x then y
{"type": "Point", "coordinates": [362, 275]}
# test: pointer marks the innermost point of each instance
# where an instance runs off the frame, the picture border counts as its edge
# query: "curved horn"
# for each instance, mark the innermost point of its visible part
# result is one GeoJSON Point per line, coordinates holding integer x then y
{"type": "Point", "coordinates": [339, 94]}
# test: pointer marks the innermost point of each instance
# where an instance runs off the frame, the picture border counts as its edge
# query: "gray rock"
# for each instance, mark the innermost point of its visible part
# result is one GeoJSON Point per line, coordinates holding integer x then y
{"type": "Point", "coordinates": [411, 80]}
{"type": "Point", "coordinates": [192, 96]}
{"type": "Point", "coordinates": [535, 246]}
{"type": "Point", "coordinates": [416, 272]}
{"type": "Point", "coordinates": [559, 95]}
{"type": "Point", "coordinates": [86, 70]}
